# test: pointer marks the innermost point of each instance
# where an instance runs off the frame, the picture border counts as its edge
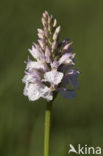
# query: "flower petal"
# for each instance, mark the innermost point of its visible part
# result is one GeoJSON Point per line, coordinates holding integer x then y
{"type": "Point", "coordinates": [54, 77]}
{"type": "Point", "coordinates": [72, 78]}
{"type": "Point", "coordinates": [67, 93]}
{"type": "Point", "coordinates": [31, 76]}
{"type": "Point", "coordinates": [36, 90]}
{"type": "Point", "coordinates": [46, 93]}
{"type": "Point", "coordinates": [36, 52]}
{"type": "Point", "coordinates": [66, 58]}
{"type": "Point", "coordinates": [32, 91]}
{"type": "Point", "coordinates": [37, 65]}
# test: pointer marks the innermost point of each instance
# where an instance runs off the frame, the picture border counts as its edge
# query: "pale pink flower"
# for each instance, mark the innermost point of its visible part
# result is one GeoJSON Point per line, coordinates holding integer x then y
{"type": "Point", "coordinates": [51, 70]}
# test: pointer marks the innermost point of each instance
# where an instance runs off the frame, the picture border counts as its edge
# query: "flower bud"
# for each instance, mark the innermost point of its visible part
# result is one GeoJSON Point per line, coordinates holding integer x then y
{"type": "Point", "coordinates": [46, 14]}
{"type": "Point", "coordinates": [55, 23]}
{"type": "Point", "coordinates": [54, 45]}
{"type": "Point", "coordinates": [44, 22]}
{"type": "Point", "coordinates": [40, 31]}
{"type": "Point", "coordinates": [46, 33]}
{"type": "Point", "coordinates": [42, 43]}
{"type": "Point", "coordinates": [50, 19]}
{"type": "Point", "coordinates": [47, 54]}
{"type": "Point", "coordinates": [67, 46]}
{"type": "Point", "coordinates": [56, 33]}
{"type": "Point", "coordinates": [58, 29]}
{"type": "Point", "coordinates": [41, 36]}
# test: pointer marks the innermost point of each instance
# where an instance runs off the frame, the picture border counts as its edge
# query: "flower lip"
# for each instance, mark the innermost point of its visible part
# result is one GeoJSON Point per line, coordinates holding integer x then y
{"type": "Point", "coordinates": [54, 77]}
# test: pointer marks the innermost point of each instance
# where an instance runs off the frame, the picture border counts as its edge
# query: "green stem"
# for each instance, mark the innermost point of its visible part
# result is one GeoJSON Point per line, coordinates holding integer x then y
{"type": "Point", "coordinates": [47, 128]}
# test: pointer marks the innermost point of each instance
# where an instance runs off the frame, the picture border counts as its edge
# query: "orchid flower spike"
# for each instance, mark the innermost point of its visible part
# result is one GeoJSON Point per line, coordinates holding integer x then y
{"type": "Point", "coordinates": [51, 69]}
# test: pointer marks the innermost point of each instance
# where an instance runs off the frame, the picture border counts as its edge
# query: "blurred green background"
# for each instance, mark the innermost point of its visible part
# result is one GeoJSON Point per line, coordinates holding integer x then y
{"type": "Point", "coordinates": [76, 122]}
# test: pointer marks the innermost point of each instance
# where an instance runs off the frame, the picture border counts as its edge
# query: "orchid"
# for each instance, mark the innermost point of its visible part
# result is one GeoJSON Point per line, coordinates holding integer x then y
{"type": "Point", "coordinates": [52, 68]}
